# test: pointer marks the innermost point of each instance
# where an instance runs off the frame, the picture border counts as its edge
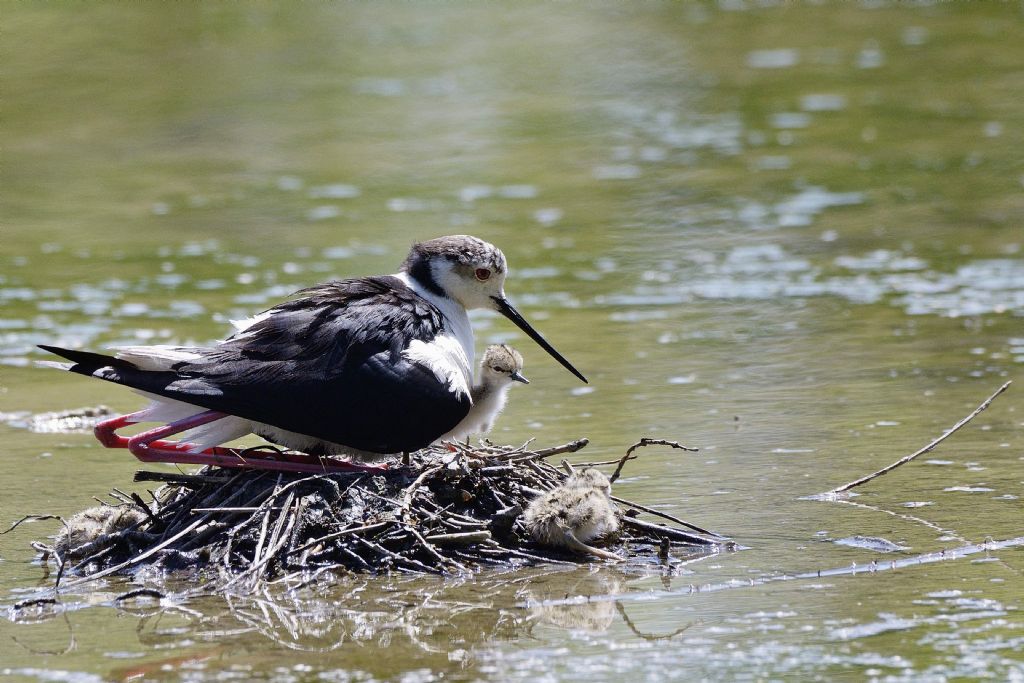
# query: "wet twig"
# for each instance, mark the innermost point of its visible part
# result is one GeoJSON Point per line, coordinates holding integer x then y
{"type": "Point", "coordinates": [874, 475]}
{"type": "Point", "coordinates": [665, 515]}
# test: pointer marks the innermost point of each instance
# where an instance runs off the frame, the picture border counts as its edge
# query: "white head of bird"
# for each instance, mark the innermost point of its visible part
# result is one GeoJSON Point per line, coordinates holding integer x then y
{"type": "Point", "coordinates": [471, 272]}
{"type": "Point", "coordinates": [461, 267]}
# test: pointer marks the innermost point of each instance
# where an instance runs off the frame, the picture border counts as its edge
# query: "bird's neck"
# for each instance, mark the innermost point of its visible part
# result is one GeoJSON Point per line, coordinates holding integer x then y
{"type": "Point", "coordinates": [489, 398]}
{"type": "Point", "coordinates": [456, 318]}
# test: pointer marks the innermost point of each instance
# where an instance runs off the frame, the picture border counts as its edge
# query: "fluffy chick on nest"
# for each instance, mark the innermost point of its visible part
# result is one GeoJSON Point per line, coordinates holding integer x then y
{"type": "Point", "coordinates": [91, 525]}
{"type": "Point", "coordinates": [500, 367]}
{"type": "Point", "coordinates": [577, 511]}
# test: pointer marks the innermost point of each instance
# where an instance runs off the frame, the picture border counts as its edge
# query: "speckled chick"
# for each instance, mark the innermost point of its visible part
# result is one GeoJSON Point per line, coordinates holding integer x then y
{"type": "Point", "coordinates": [92, 524]}
{"type": "Point", "coordinates": [574, 513]}
{"type": "Point", "coordinates": [500, 367]}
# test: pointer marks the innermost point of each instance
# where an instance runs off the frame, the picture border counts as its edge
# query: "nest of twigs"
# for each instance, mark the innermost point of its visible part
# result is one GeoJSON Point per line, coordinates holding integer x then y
{"type": "Point", "coordinates": [455, 509]}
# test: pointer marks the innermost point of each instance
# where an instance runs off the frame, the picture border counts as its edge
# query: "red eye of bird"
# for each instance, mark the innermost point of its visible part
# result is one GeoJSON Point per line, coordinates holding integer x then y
{"type": "Point", "coordinates": [482, 274]}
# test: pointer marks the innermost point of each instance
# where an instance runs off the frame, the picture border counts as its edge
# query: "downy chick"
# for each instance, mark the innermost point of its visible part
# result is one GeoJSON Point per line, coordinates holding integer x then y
{"type": "Point", "coordinates": [500, 367]}
{"type": "Point", "coordinates": [578, 511]}
{"type": "Point", "coordinates": [92, 524]}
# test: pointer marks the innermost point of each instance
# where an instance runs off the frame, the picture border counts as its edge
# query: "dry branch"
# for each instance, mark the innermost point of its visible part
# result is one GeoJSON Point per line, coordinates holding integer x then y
{"type": "Point", "coordinates": [874, 475]}
{"type": "Point", "coordinates": [641, 444]}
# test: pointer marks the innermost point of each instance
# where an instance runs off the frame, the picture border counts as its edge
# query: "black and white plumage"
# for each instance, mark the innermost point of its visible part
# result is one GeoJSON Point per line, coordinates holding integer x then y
{"type": "Point", "coordinates": [367, 366]}
{"type": "Point", "coordinates": [500, 368]}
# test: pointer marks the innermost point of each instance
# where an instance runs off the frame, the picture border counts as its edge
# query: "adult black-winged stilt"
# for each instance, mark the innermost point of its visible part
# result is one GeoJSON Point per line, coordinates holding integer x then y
{"type": "Point", "coordinates": [363, 367]}
{"type": "Point", "coordinates": [500, 367]}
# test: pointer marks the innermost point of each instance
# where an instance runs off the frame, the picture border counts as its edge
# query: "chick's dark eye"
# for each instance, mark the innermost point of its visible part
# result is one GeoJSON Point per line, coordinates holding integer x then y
{"type": "Point", "coordinates": [482, 274]}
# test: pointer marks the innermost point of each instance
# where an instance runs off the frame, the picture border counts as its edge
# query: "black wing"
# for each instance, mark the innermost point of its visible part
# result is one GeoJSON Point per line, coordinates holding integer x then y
{"type": "Point", "coordinates": [327, 364]}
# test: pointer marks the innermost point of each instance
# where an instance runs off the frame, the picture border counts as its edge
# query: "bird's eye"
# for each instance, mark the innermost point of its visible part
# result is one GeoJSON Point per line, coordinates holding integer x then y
{"type": "Point", "coordinates": [482, 274]}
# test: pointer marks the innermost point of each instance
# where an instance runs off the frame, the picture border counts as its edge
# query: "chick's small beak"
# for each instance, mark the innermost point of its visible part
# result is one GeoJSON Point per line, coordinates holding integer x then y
{"type": "Point", "coordinates": [518, 377]}
{"type": "Point", "coordinates": [502, 305]}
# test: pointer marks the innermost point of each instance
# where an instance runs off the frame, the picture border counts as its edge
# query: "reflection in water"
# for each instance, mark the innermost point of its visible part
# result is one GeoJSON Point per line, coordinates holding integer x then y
{"type": "Point", "coordinates": [582, 613]}
{"type": "Point", "coordinates": [346, 619]}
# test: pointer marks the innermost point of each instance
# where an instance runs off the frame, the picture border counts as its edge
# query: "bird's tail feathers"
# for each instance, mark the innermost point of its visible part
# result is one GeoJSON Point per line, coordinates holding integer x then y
{"type": "Point", "coordinates": [156, 357]}
{"type": "Point", "coordinates": [52, 364]}
{"type": "Point", "coordinates": [87, 359]}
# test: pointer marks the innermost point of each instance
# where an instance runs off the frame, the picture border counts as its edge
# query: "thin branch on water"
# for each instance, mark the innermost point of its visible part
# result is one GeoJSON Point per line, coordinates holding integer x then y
{"type": "Point", "coordinates": [32, 518]}
{"type": "Point", "coordinates": [665, 515]}
{"type": "Point", "coordinates": [885, 470]}
{"type": "Point", "coordinates": [668, 532]}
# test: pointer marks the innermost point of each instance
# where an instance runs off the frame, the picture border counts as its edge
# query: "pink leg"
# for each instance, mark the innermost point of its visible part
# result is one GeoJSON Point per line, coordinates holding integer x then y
{"type": "Point", "coordinates": [106, 431]}
{"type": "Point", "coordinates": [149, 446]}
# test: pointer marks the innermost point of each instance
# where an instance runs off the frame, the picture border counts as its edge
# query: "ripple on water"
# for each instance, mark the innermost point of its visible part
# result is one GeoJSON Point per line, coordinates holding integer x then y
{"type": "Point", "coordinates": [875, 543]}
{"type": "Point", "coordinates": [322, 213]}
{"type": "Point", "coordinates": [880, 260]}
{"type": "Point", "coordinates": [772, 162]}
{"type": "Point", "coordinates": [767, 271]}
{"type": "Point", "coordinates": [63, 675]}
{"type": "Point", "coordinates": [541, 272]}
{"type": "Point", "coordinates": [788, 120]}
{"type": "Point", "coordinates": [171, 280]}
{"type": "Point", "coordinates": [801, 208]}
{"type": "Point", "coordinates": [616, 172]}
{"type": "Point", "coordinates": [518, 191]}
{"type": "Point", "coordinates": [887, 622]}
{"type": "Point", "coordinates": [914, 36]}
{"type": "Point", "coordinates": [412, 204]}
{"type": "Point", "coordinates": [191, 249]}
{"type": "Point", "coordinates": [547, 217]}
{"type": "Point", "coordinates": [210, 284]}
{"type": "Point", "coordinates": [334, 191]}
{"type": "Point", "coordinates": [823, 102]}
{"type": "Point", "coordinates": [980, 287]}
{"type": "Point", "coordinates": [722, 133]}
{"type": "Point", "coordinates": [870, 56]}
{"type": "Point", "coordinates": [17, 294]}
{"type": "Point", "coordinates": [780, 58]}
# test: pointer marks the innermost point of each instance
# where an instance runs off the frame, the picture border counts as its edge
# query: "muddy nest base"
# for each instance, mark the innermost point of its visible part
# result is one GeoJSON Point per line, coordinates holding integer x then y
{"type": "Point", "coordinates": [454, 509]}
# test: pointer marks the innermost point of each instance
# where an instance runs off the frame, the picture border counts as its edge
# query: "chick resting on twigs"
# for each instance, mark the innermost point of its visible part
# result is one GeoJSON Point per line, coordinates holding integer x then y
{"type": "Point", "coordinates": [574, 513]}
{"type": "Point", "coordinates": [92, 524]}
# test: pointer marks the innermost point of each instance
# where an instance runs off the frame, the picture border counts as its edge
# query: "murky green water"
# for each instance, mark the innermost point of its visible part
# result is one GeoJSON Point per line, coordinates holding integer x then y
{"type": "Point", "coordinates": [788, 234]}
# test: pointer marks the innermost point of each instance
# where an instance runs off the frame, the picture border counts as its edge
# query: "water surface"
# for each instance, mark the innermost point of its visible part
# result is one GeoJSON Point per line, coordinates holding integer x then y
{"type": "Point", "coordinates": [787, 234]}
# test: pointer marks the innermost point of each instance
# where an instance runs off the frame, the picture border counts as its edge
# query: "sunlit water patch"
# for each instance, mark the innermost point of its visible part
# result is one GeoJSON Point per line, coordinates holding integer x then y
{"type": "Point", "coordinates": [768, 271]}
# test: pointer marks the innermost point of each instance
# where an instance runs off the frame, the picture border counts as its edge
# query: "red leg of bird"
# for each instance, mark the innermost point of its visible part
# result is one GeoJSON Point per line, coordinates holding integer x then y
{"type": "Point", "coordinates": [106, 431]}
{"type": "Point", "coordinates": [149, 446]}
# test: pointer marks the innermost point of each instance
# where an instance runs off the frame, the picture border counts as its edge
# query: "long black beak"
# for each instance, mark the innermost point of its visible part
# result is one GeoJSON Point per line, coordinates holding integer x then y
{"type": "Point", "coordinates": [507, 310]}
